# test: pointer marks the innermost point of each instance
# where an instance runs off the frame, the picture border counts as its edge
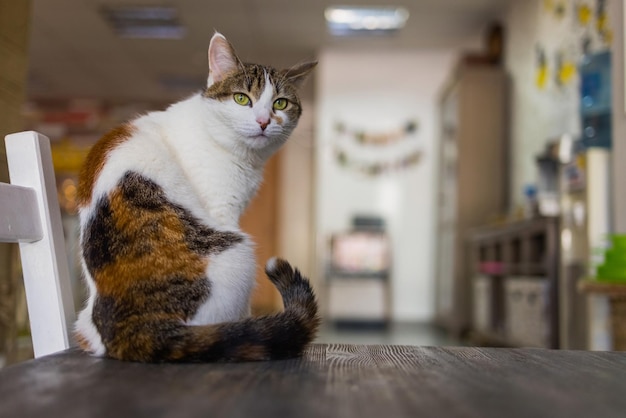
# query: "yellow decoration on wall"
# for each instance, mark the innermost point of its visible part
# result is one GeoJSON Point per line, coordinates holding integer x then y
{"type": "Point", "coordinates": [570, 30]}
{"type": "Point", "coordinates": [584, 14]}
{"type": "Point", "coordinates": [607, 36]}
{"type": "Point", "coordinates": [542, 77]}
{"type": "Point", "coordinates": [548, 5]}
{"type": "Point", "coordinates": [560, 9]}
{"type": "Point", "coordinates": [602, 26]}
{"type": "Point", "coordinates": [566, 72]}
{"type": "Point", "coordinates": [601, 23]}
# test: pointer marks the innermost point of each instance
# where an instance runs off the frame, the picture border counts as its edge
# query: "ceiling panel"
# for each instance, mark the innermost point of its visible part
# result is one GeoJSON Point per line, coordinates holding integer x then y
{"type": "Point", "coordinates": [74, 51]}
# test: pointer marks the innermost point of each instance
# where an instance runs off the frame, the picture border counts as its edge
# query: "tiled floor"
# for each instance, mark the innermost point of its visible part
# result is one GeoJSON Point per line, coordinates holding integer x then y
{"type": "Point", "coordinates": [398, 334]}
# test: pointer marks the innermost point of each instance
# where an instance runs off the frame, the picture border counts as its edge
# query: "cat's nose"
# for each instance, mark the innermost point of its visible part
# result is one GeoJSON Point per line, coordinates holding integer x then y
{"type": "Point", "coordinates": [263, 122]}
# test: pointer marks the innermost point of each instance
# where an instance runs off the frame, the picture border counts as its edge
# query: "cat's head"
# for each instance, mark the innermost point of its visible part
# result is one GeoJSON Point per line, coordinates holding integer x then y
{"type": "Point", "coordinates": [258, 104]}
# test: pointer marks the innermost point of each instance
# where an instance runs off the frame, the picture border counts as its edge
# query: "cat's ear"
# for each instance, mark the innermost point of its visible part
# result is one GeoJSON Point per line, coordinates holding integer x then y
{"type": "Point", "coordinates": [222, 59]}
{"type": "Point", "coordinates": [298, 73]}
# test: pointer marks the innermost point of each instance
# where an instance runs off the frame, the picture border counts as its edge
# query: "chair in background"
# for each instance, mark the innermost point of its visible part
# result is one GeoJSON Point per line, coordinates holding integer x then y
{"type": "Point", "coordinates": [30, 216]}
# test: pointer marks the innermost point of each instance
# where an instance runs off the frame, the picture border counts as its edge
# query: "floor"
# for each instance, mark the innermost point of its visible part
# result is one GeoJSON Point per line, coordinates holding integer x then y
{"type": "Point", "coordinates": [422, 334]}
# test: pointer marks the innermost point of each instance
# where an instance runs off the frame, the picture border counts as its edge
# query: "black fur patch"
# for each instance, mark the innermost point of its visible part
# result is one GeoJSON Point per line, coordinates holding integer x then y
{"type": "Point", "coordinates": [102, 243]}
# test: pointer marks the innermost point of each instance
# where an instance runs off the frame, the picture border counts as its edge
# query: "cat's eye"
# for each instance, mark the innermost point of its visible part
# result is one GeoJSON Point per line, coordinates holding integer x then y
{"type": "Point", "coordinates": [280, 104]}
{"type": "Point", "coordinates": [241, 99]}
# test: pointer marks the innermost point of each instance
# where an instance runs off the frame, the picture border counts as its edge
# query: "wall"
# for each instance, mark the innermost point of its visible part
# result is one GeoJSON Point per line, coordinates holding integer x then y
{"type": "Point", "coordinates": [543, 108]}
{"type": "Point", "coordinates": [546, 105]}
{"type": "Point", "coordinates": [378, 92]}
{"type": "Point", "coordinates": [619, 117]}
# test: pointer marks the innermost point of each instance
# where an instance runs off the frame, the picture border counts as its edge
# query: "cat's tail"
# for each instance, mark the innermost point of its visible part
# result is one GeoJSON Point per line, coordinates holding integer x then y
{"type": "Point", "coordinates": [279, 336]}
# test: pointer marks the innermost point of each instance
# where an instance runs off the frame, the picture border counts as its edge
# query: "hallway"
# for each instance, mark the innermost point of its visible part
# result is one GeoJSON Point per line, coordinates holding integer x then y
{"type": "Point", "coordinates": [400, 333]}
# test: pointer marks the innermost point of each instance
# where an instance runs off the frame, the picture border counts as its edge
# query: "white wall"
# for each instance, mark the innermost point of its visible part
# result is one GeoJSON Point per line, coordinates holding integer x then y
{"type": "Point", "coordinates": [377, 92]}
{"type": "Point", "coordinates": [616, 14]}
{"type": "Point", "coordinates": [541, 113]}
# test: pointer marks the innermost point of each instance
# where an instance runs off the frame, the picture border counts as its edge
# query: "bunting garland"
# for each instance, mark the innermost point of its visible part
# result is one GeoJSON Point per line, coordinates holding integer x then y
{"type": "Point", "coordinates": [384, 138]}
{"type": "Point", "coordinates": [392, 150]}
{"type": "Point", "coordinates": [378, 168]}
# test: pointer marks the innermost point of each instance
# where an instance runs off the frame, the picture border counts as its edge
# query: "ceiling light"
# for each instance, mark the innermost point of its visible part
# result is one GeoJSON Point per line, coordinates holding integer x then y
{"type": "Point", "coordinates": [145, 22]}
{"type": "Point", "coordinates": [343, 21]}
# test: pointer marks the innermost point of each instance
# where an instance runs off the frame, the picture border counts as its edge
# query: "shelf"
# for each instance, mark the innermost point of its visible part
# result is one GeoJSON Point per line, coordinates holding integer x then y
{"type": "Point", "coordinates": [609, 288]}
{"type": "Point", "coordinates": [515, 267]}
{"type": "Point", "coordinates": [500, 269]}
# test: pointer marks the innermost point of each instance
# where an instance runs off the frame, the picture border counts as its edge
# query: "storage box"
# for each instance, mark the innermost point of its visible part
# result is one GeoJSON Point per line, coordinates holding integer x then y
{"type": "Point", "coordinates": [358, 299]}
{"type": "Point", "coordinates": [483, 306]}
{"type": "Point", "coordinates": [488, 311]}
{"type": "Point", "coordinates": [527, 307]}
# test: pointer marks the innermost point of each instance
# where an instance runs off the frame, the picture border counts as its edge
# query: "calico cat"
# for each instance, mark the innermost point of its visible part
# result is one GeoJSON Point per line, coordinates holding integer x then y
{"type": "Point", "coordinates": [168, 270]}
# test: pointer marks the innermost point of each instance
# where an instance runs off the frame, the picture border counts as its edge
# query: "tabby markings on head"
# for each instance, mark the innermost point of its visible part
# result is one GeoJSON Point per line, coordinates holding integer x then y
{"type": "Point", "coordinates": [253, 78]}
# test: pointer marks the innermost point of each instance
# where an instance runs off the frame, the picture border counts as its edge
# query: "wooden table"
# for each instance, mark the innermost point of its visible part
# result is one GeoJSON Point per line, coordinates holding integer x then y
{"type": "Point", "coordinates": [329, 381]}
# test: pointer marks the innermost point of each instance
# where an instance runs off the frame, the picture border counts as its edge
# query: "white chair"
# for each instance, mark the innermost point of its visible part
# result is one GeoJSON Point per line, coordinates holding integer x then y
{"type": "Point", "coordinates": [30, 215]}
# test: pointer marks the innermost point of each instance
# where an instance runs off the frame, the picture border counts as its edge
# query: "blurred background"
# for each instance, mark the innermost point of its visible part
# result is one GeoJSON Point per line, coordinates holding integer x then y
{"type": "Point", "coordinates": [451, 180]}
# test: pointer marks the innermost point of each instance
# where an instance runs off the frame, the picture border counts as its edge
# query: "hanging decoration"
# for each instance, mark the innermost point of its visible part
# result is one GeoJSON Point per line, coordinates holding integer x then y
{"type": "Point", "coordinates": [602, 22]}
{"type": "Point", "coordinates": [378, 168]}
{"type": "Point", "coordinates": [393, 150]}
{"type": "Point", "coordinates": [568, 29]}
{"type": "Point", "coordinates": [565, 69]}
{"type": "Point", "coordinates": [557, 8]}
{"type": "Point", "coordinates": [384, 138]}
{"type": "Point", "coordinates": [584, 14]}
{"type": "Point", "coordinates": [541, 77]}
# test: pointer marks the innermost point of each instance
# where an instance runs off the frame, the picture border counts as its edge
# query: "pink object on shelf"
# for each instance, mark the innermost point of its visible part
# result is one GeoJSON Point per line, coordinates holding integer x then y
{"type": "Point", "coordinates": [492, 267]}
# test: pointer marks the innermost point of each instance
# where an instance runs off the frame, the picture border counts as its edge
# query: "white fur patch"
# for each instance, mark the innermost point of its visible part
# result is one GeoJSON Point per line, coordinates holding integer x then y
{"type": "Point", "coordinates": [231, 276]}
{"type": "Point", "coordinates": [270, 266]}
{"type": "Point", "coordinates": [84, 324]}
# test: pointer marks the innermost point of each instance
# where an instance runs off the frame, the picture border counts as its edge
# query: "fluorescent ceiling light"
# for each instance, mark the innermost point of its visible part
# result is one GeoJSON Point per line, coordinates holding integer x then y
{"type": "Point", "coordinates": [344, 21]}
{"type": "Point", "coordinates": [145, 22]}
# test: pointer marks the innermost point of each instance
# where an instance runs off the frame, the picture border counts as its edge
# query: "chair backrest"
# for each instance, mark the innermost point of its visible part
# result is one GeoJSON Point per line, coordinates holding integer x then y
{"type": "Point", "coordinates": [30, 215]}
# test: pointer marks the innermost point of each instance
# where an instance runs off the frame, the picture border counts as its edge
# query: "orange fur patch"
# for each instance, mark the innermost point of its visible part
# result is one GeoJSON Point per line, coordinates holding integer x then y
{"type": "Point", "coordinates": [82, 342]}
{"type": "Point", "coordinates": [97, 157]}
{"type": "Point", "coordinates": [278, 119]}
{"type": "Point", "coordinates": [161, 233]}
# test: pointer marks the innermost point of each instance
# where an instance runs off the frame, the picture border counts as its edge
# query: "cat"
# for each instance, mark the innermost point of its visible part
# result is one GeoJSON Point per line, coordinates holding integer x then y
{"type": "Point", "coordinates": [168, 270]}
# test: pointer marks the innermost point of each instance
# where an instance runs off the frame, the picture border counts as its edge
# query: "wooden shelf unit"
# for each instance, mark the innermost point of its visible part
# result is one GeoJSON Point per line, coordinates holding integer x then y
{"type": "Point", "coordinates": [515, 283]}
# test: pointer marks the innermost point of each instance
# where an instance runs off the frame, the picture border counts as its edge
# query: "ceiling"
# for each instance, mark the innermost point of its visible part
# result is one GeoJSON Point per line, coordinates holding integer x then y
{"type": "Point", "coordinates": [75, 54]}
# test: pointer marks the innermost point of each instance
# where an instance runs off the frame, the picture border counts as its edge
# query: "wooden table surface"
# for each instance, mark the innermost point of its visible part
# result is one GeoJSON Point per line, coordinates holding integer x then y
{"type": "Point", "coordinates": [329, 381]}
